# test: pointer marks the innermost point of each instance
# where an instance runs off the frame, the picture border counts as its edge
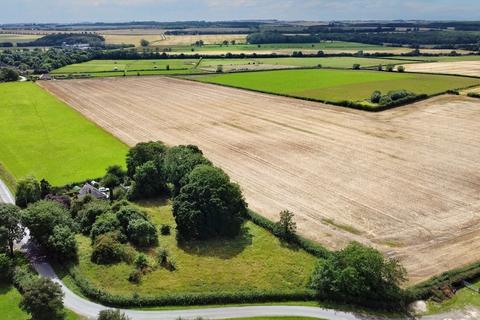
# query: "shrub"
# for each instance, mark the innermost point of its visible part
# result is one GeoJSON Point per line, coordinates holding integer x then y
{"type": "Point", "coordinates": [473, 95]}
{"type": "Point", "coordinates": [401, 69]}
{"type": "Point", "coordinates": [141, 261]}
{"type": "Point", "coordinates": [135, 276]}
{"type": "Point", "coordinates": [162, 257]}
{"type": "Point", "coordinates": [60, 199]}
{"type": "Point", "coordinates": [43, 299]}
{"type": "Point", "coordinates": [129, 213]}
{"type": "Point", "coordinates": [359, 274]}
{"type": "Point", "coordinates": [390, 67]}
{"type": "Point", "coordinates": [376, 96]}
{"type": "Point", "coordinates": [28, 191]}
{"type": "Point", "coordinates": [62, 244]}
{"type": "Point", "coordinates": [209, 205]}
{"type": "Point", "coordinates": [112, 315]}
{"type": "Point", "coordinates": [142, 233]}
{"type": "Point", "coordinates": [356, 66]}
{"type": "Point", "coordinates": [105, 223]}
{"type": "Point", "coordinates": [79, 204]}
{"type": "Point", "coordinates": [380, 67]}
{"type": "Point", "coordinates": [10, 228]}
{"type": "Point", "coordinates": [23, 278]}
{"type": "Point", "coordinates": [119, 193]}
{"type": "Point", "coordinates": [107, 249]}
{"type": "Point", "coordinates": [165, 230]}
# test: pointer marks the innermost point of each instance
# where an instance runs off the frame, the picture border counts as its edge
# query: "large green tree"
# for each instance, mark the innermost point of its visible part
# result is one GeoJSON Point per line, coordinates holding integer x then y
{"type": "Point", "coordinates": [62, 243]}
{"type": "Point", "coordinates": [179, 161]}
{"type": "Point", "coordinates": [28, 191]}
{"type": "Point", "coordinates": [43, 299]}
{"type": "Point", "coordinates": [10, 228]}
{"type": "Point", "coordinates": [149, 181]}
{"type": "Point", "coordinates": [359, 274]}
{"type": "Point", "coordinates": [209, 205]}
{"type": "Point", "coordinates": [142, 153]}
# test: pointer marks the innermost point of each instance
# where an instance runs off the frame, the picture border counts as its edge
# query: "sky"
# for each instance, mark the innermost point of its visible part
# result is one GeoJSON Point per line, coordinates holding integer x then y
{"type": "Point", "coordinates": [25, 11]}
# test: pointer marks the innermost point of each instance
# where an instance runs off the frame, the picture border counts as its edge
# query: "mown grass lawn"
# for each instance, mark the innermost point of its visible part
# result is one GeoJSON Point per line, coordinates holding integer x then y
{"type": "Point", "coordinates": [42, 136]}
{"type": "Point", "coordinates": [338, 85]}
{"type": "Point", "coordinates": [254, 261]}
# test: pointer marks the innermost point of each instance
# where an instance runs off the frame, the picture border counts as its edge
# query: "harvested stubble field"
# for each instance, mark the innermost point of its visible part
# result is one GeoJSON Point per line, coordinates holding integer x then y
{"type": "Point", "coordinates": [405, 180]}
{"type": "Point", "coordinates": [468, 68]}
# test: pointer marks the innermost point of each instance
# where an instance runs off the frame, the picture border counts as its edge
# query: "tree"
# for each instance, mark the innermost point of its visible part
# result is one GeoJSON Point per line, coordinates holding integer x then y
{"type": "Point", "coordinates": [209, 205]}
{"type": "Point", "coordinates": [107, 249]}
{"type": "Point", "coordinates": [144, 43]}
{"type": "Point", "coordinates": [286, 226]}
{"type": "Point", "coordinates": [6, 268]}
{"type": "Point", "coordinates": [42, 217]}
{"type": "Point", "coordinates": [359, 274]}
{"type": "Point", "coordinates": [112, 315]}
{"type": "Point", "coordinates": [142, 233]}
{"type": "Point", "coordinates": [356, 66]}
{"type": "Point", "coordinates": [8, 75]}
{"type": "Point", "coordinates": [149, 181]}
{"type": "Point", "coordinates": [401, 69]}
{"type": "Point", "coordinates": [43, 299]}
{"type": "Point", "coordinates": [45, 188]}
{"type": "Point", "coordinates": [179, 161]}
{"type": "Point", "coordinates": [62, 244]}
{"type": "Point", "coordinates": [142, 153]}
{"type": "Point", "coordinates": [28, 191]}
{"type": "Point", "coordinates": [10, 228]}
{"type": "Point", "coordinates": [87, 216]}
{"type": "Point", "coordinates": [105, 223]}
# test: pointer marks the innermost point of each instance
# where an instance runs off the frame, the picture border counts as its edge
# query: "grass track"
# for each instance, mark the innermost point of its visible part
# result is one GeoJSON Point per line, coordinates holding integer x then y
{"type": "Point", "coordinates": [338, 85]}
{"type": "Point", "coordinates": [42, 136]}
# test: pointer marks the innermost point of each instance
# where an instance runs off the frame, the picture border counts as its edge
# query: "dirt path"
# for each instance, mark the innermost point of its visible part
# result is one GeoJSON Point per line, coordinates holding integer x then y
{"type": "Point", "coordinates": [406, 181]}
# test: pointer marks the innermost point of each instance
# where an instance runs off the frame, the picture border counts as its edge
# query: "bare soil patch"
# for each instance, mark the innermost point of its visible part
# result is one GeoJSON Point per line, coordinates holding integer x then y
{"type": "Point", "coordinates": [468, 68]}
{"type": "Point", "coordinates": [406, 181]}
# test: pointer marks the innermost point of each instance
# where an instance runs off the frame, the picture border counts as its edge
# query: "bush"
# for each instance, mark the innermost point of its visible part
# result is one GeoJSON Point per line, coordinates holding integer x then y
{"type": "Point", "coordinates": [376, 96]}
{"type": "Point", "coordinates": [162, 257]}
{"type": "Point", "coordinates": [112, 315]}
{"type": "Point", "coordinates": [107, 249]}
{"type": "Point", "coordinates": [28, 191]}
{"type": "Point", "coordinates": [105, 223]}
{"type": "Point", "coordinates": [401, 69]}
{"type": "Point", "coordinates": [209, 205]}
{"type": "Point", "coordinates": [359, 274]}
{"type": "Point", "coordinates": [142, 233]}
{"type": "Point", "coordinates": [165, 230]}
{"type": "Point", "coordinates": [43, 299]}
{"type": "Point", "coordinates": [141, 261]}
{"type": "Point", "coordinates": [128, 213]}
{"type": "Point", "coordinates": [473, 95]}
{"type": "Point", "coordinates": [135, 276]}
{"type": "Point", "coordinates": [23, 278]}
{"type": "Point", "coordinates": [356, 66]}
{"type": "Point", "coordinates": [62, 244]}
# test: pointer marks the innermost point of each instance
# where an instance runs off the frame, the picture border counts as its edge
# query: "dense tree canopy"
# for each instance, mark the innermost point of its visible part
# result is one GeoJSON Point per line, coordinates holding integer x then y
{"type": "Point", "coordinates": [43, 299]}
{"type": "Point", "coordinates": [209, 205]}
{"type": "Point", "coordinates": [8, 75]}
{"type": "Point", "coordinates": [28, 191]}
{"type": "Point", "coordinates": [359, 274]}
{"type": "Point", "coordinates": [142, 153]}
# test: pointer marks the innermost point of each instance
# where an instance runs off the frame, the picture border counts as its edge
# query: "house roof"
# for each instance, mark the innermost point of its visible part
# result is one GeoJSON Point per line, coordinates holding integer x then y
{"type": "Point", "coordinates": [89, 189]}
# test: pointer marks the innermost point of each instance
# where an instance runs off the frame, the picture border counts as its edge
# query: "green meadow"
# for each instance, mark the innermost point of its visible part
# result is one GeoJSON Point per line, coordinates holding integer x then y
{"type": "Point", "coordinates": [338, 85]}
{"type": "Point", "coordinates": [43, 137]}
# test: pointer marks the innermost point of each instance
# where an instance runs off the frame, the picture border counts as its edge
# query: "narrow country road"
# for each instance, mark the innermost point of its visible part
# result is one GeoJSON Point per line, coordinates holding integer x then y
{"type": "Point", "coordinates": [90, 309]}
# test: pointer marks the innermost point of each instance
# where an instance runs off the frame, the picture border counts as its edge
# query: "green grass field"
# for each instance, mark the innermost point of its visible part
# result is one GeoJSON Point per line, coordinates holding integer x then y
{"type": "Point", "coordinates": [16, 38]}
{"type": "Point", "coordinates": [329, 62]}
{"type": "Point", "coordinates": [324, 45]}
{"type": "Point", "coordinates": [254, 261]}
{"type": "Point", "coordinates": [338, 85]}
{"type": "Point", "coordinates": [42, 136]}
{"type": "Point", "coordinates": [159, 65]}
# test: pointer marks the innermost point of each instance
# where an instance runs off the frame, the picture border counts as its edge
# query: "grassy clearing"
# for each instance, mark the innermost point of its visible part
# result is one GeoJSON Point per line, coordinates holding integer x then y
{"type": "Point", "coordinates": [42, 136]}
{"type": "Point", "coordinates": [338, 85]}
{"type": "Point", "coordinates": [254, 261]}
{"type": "Point", "coordinates": [129, 65]}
